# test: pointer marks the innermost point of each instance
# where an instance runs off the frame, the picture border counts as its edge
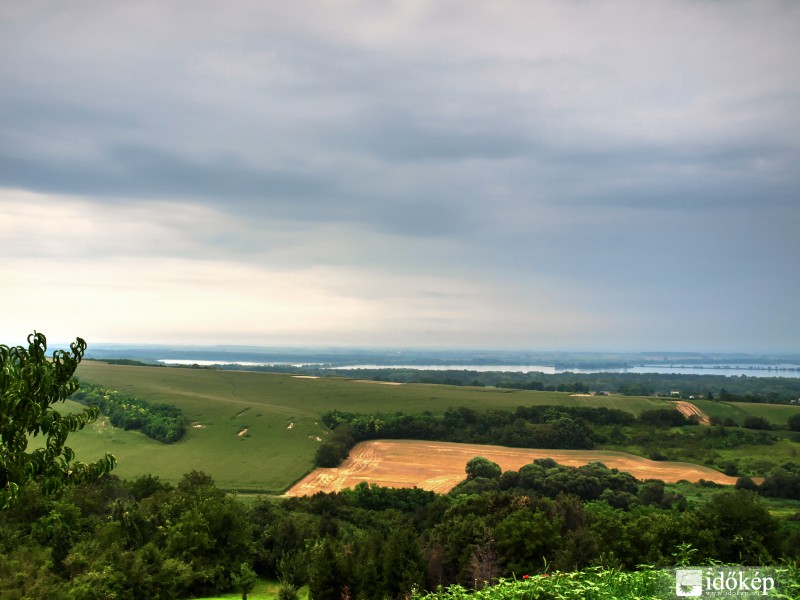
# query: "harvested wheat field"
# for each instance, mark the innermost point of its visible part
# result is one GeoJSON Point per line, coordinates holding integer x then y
{"type": "Point", "coordinates": [439, 466]}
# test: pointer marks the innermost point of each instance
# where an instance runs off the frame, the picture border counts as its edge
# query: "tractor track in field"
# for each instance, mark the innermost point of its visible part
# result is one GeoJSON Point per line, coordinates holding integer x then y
{"type": "Point", "coordinates": [688, 409]}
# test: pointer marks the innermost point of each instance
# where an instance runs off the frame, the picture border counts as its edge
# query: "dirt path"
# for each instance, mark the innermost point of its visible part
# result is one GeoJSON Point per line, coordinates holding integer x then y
{"type": "Point", "coordinates": [690, 410]}
{"type": "Point", "coordinates": [439, 466]}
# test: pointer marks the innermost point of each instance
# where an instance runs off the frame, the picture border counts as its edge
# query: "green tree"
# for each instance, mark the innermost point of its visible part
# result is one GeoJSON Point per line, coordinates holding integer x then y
{"type": "Point", "coordinates": [30, 384]}
{"type": "Point", "coordinates": [483, 467]}
{"type": "Point", "coordinates": [753, 422]}
{"type": "Point", "coordinates": [245, 579]}
{"type": "Point", "coordinates": [287, 591]}
{"type": "Point", "coordinates": [745, 531]}
{"type": "Point", "coordinates": [402, 563]}
{"type": "Point", "coordinates": [794, 422]}
{"type": "Point", "coordinates": [325, 577]}
{"type": "Point", "coordinates": [525, 538]}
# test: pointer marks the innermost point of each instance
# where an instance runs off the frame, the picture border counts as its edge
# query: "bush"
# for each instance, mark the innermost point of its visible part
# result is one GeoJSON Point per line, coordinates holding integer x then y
{"type": "Point", "coordinates": [483, 467]}
{"type": "Point", "coordinates": [330, 454]}
{"type": "Point", "coordinates": [663, 417]}
{"type": "Point", "coordinates": [335, 449]}
{"type": "Point", "coordinates": [745, 483]}
{"type": "Point", "coordinates": [287, 591]}
{"type": "Point", "coordinates": [794, 422]}
{"type": "Point", "coordinates": [783, 482]}
{"type": "Point", "coordinates": [730, 468]}
{"type": "Point", "coordinates": [753, 422]}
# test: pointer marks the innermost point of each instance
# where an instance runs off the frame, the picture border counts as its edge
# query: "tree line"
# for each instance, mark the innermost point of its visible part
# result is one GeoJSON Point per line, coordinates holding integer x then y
{"type": "Point", "coordinates": [661, 434]}
{"type": "Point", "coordinates": [539, 426]}
{"type": "Point", "coordinates": [162, 422]}
{"type": "Point", "coordinates": [527, 427]}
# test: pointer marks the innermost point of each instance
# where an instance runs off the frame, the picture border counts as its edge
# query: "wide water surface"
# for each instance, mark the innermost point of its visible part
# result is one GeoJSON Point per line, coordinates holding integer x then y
{"type": "Point", "coordinates": [778, 370]}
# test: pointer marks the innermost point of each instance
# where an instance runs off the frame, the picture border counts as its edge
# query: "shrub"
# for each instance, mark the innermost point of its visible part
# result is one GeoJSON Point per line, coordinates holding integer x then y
{"type": "Point", "coordinates": [483, 467]}
{"type": "Point", "coordinates": [663, 417]}
{"type": "Point", "coordinates": [794, 422]}
{"type": "Point", "coordinates": [287, 591]}
{"type": "Point", "coordinates": [753, 422]}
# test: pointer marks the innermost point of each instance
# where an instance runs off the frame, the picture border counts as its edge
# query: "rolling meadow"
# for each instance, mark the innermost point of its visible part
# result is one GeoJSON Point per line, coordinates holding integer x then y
{"type": "Point", "coordinates": [278, 417]}
{"type": "Point", "coordinates": [258, 432]}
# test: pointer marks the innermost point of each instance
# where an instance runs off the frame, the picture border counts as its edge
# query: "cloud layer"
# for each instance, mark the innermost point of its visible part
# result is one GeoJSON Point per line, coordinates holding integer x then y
{"type": "Point", "coordinates": [542, 175]}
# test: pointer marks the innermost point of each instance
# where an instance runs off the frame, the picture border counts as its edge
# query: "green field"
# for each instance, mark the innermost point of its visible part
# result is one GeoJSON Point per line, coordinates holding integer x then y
{"type": "Point", "coordinates": [278, 417]}
{"type": "Point", "coordinates": [271, 455]}
{"type": "Point", "coordinates": [776, 414]}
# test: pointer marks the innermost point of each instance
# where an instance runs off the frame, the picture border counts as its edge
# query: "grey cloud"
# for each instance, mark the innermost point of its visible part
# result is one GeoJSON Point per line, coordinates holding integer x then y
{"type": "Point", "coordinates": [147, 173]}
{"type": "Point", "coordinates": [605, 147]}
{"type": "Point", "coordinates": [396, 135]}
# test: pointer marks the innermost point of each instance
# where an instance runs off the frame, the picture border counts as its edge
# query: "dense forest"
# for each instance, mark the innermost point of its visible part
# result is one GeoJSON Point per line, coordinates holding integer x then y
{"type": "Point", "coordinates": [145, 539]}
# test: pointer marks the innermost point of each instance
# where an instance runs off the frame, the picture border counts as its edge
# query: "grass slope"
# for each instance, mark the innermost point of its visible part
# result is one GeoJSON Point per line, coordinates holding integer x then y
{"type": "Point", "coordinates": [278, 417]}
{"type": "Point", "coordinates": [270, 456]}
{"type": "Point", "coordinates": [776, 414]}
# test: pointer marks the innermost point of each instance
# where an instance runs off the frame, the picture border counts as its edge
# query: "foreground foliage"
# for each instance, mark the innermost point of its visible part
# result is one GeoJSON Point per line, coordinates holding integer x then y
{"type": "Point", "coordinates": [595, 584]}
{"type": "Point", "coordinates": [30, 384]}
{"type": "Point", "coordinates": [146, 539]}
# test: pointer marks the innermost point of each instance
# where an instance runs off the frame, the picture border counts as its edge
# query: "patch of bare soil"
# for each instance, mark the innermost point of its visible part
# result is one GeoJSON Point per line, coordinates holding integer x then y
{"type": "Point", "coordinates": [243, 431]}
{"type": "Point", "coordinates": [690, 410]}
{"type": "Point", "coordinates": [439, 466]}
{"type": "Point", "coordinates": [305, 377]}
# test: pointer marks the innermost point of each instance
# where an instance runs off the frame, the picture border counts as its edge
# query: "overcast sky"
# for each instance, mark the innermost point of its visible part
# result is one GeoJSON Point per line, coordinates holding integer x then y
{"type": "Point", "coordinates": [533, 174]}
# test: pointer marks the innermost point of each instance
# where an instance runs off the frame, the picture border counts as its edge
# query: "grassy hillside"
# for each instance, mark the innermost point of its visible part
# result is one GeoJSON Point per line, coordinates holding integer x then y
{"type": "Point", "coordinates": [190, 387]}
{"type": "Point", "coordinates": [280, 414]}
{"type": "Point", "coordinates": [776, 414]}
{"type": "Point", "coordinates": [258, 432]}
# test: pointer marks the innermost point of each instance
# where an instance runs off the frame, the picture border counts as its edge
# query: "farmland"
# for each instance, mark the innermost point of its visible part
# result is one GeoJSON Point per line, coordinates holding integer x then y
{"type": "Point", "coordinates": [258, 432]}
{"type": "Point", "coordinates": [281, 416]}
{"type": "Point", "coordinates": [439, 466]}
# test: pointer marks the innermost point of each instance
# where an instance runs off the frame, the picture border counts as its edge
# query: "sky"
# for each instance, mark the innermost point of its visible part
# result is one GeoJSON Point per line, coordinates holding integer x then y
{"type": "Point", "coordinates": [560, 175]}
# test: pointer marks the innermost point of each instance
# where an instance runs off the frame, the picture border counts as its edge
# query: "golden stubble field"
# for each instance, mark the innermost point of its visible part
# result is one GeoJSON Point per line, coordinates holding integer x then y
{"type": "Point", "coordinates": [439, 466]}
